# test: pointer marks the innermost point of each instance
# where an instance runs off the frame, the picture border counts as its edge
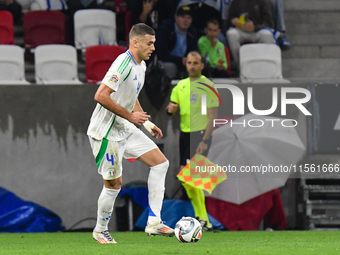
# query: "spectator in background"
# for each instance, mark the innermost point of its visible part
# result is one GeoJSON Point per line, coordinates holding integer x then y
{"type": "Point", "coordinates": [151, 12]}
{"type": "Point", "coordinates": [175, 38]}
{"type": "Point", "coordinates": [224, 9]}
{"type": "Point", "coordinates": [13, 7]}
{"type": "Point", "coordinates": [202, 11]}
{"type": "Point", "coordinates": [213, 50]}
{"type": "Point", "coordinates": [257, 16]}
{"type": "Point", "coordinates": [278, 19]}
{"type": "Point", "coordinates": [279, 23]}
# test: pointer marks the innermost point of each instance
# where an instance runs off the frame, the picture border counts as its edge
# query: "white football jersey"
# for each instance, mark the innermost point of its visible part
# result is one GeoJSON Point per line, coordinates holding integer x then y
{"type": "Point", "coordinates": [126, 78]}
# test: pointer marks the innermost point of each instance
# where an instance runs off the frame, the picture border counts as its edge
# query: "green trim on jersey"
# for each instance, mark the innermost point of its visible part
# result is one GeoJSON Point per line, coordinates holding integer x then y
{"type": "Point", "coordinates": [110, 127]}
{"type": "Point", "coordinates": [128, 74]}
{"type": "Point", "coordinates": [102, 151]}
{"type": "Point", "coordinates": [124, 64]}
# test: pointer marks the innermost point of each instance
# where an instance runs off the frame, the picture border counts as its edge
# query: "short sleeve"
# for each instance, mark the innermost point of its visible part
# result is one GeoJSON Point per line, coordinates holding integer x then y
{"type": "Point", "coordinates": [224, 58]}
{"type": "Point", "coordinates": [174, 95]}
{"type": "Point", "coordinates": [117, 72]}
{"type": "Point", "coordinates": [202, 46]}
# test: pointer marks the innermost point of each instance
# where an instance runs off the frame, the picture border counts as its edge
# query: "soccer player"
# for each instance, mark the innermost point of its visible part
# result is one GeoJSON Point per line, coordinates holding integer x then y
{"type": "Point", "coordinates": [196, 128]}
{"type": "Point", "coordinates": [113, 134]}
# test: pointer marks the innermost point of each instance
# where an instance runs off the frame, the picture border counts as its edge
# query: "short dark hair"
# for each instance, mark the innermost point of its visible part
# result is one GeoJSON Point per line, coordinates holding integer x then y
{"type": "Point", "coordinates": [213, 21]}
{"type": "Point", "coordinates": [141, 29]}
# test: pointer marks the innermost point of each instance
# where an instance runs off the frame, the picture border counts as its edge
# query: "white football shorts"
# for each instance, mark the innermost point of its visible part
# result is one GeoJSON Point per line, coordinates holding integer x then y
{"type": "Point", "coordinates": [109, 154]}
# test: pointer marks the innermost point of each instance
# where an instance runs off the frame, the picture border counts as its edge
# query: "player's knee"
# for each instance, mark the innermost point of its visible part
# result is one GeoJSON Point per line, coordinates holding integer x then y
{"type": "Point", "coordinates": [113, 184]}
{"type": "Point", "coordinates": [166, 164]}
{"type": "Point", "coordinates": [162, 166]}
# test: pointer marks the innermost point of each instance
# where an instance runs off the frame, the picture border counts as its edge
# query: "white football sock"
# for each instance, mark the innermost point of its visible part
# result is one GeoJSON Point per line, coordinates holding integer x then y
{"type": "Point", "coordinates": [105, 206]}
{"type": "Point", "coordinates": [156, 182]}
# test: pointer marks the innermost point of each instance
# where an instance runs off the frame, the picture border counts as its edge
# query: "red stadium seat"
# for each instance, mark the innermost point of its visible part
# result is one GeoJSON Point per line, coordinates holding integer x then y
{"type": "Point", "coordinates": [120, 6]}
{"type": "Point", "coordinates": [98, 60]}
{"type": "Point", "coordinates": [43, 27]}
{"type": "Point", "coordinates": [227, 55]}
{"type": "Point", "coordinates": [6, 28]}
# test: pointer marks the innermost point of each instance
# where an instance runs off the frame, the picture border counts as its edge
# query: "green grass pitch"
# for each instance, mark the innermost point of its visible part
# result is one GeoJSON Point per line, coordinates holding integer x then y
{"type": "Point", "coordinates": [223, 242]}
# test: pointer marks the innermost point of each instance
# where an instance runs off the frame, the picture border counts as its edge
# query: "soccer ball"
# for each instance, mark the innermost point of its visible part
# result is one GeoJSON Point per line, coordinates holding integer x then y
{"type": "Point", "coordinates": [188, 230]}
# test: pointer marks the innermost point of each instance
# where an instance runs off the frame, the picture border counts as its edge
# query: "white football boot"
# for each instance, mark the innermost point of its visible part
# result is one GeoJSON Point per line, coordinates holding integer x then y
{"type": "Point", "coordinates": [159, 229]}
{"type": "Point", "coordinates": [103, 237]}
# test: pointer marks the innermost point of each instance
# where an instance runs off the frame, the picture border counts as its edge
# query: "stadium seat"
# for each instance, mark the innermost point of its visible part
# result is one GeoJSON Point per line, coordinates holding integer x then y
{"type": "Point", "coordinates": [261, 63]}
{"type": "Point", "coordinates": [120, 6]}
{"type": "Point", "coordinates": [6, 28]}
{"type": "Point", "coordinates": [43, 27]}
{"type": "Point", "coordinates": [99, 59]}
{"type": "Point", "coordinates": [227, 56]}
{"type": "Point", "coordinates": [12, 69]}
{"type": "Point", "coordinates": [94, 27]}
{"type": "Point", "coordinates": [56, 64]}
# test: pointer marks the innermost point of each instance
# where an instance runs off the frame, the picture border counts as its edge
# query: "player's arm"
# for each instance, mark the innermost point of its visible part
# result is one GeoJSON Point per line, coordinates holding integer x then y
{"type": "Point", "coordinates": [174, 100]}
{"type": "Point", "coordinates": [137, 107]}
{"type": "Point", "coordinates": [102, 96]}
{"type": "Point", "coordinates": [212, 113]}
{"type": "Point", "coordinates": [149, 126]}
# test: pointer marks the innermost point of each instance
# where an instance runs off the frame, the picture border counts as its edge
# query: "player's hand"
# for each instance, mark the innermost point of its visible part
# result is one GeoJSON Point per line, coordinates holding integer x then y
{"type": "Point", "coordinates": [156, 131]}
{"type": "Point", "coordinates": [138, 118]}
{"type": "Point", "coordinates": [202, 147]}
{"type": "Point", "coordinates": [172, 107]}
